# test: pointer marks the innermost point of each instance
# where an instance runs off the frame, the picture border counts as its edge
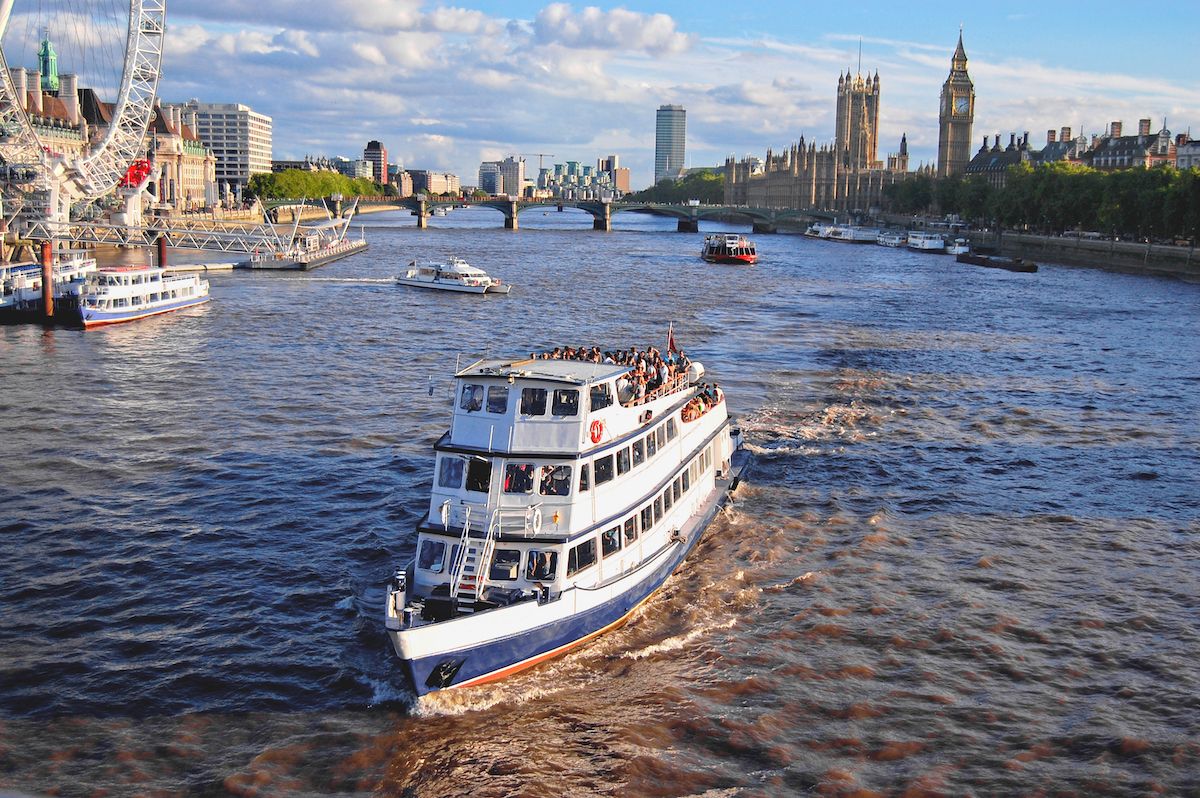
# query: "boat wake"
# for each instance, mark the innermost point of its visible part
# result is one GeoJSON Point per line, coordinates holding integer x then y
{"type": "Point", "coordinates": [351, 280]}
{"type": "Point", "coordinates": [776, 431]}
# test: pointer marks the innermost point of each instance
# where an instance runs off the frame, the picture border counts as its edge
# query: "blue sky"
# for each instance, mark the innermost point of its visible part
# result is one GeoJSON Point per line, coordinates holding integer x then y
{"type": "Point", "coordinates": [446, 85]}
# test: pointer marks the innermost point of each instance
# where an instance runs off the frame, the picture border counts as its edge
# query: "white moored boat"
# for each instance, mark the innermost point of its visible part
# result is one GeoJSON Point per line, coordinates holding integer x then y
{"type": "Point", "coordinates": [892, 238]}
{"type": "Point", "coordinates": [926, 242]}
{"type": "Point", "coordinates": [556, 509]}
{"type": "Point", "coordinates": [853, 234]}
{"type": "Point", "coordinates": [125, 293]}
{"type": "Point", "coordinates": [456, 275]}
{"type": "Point", "coordinates": [21, 284]}
{"type": "Point", "coordinates": [958, 246]}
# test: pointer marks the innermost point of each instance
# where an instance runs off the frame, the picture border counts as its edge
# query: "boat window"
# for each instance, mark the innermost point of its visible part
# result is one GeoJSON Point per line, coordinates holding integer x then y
{"type": "Point", "coordinates": [450, 473]}
{"type": "Point", "coordinates": [647, 517]}
{"type": "Point", "coordinates": [541, 565]}
{"type": "Point", "coordinates": [506, 564]}
{"type": "Point", "coordinates": [666, 499]}
{"type": "Point", "coordinates": [433, 555]}
{"type": "Point", "coordinates": [687, 481]}
{"type": "Point", "coordinates": [671, 429]}
{"type": "Point", "coordinates": [455, 556]}
{"type": "Point", "coordinates": [639, 453]}
{"type": "Point", "coordinates": [610, 541]}
{"type": "Point", "coordinates": [581, 556]}
{"type": "Point", "coordinates": [651, 446]}
{"type": "Point", "coordinates": [566, 402]}
{"type": "Point", "coordinates": [585, 472]}
{"type": "Point", "coordinates": [677, 488]}
{"type": "Point", "coordinates": [604, 469]}
{"type": "Point", "coordinates": [601, 396]}
{"type": "Point", "coordinates": [497, 399]}
{"type": "Point", "coordinates": [631, 529]}
{"type": "Point", "coordinates": [661, 434]}
{"type": "Point", "coordinates": [623, 460]}
{"type": "Point", "coordinates": [533, 401]}
{"type": "Point", "coordinates": [479, 475]}
{"type": "Point", "coordinates": [472, 398]}
{"type": "Point", "coordinates": [518, 478]}
{"type": "Point", "coordinates": [658, 509]}
{"type": "Point", "coordinates": [556, 480]}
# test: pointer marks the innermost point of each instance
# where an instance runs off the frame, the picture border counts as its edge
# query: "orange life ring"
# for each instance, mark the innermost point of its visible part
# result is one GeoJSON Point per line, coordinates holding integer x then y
{"type": "Point", "coordinates": [597, 430]}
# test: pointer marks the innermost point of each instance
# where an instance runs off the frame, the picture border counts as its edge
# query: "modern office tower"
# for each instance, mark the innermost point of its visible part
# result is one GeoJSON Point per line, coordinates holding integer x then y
{"type": "Point", "coordinates": [670, 133]}
{"type": "Point", "coordinates": [239, 137]}
{"type": "Point", "coordinates": [376, 155]}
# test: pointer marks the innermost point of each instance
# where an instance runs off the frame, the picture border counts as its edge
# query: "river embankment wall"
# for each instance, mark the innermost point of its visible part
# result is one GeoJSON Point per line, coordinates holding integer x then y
{"type": "Point", "coordinates": [1121, 256]}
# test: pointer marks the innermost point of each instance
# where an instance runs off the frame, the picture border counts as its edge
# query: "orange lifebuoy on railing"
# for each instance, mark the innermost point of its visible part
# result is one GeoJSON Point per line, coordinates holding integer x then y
{"type": "Point", "coordinates": [597, 430]}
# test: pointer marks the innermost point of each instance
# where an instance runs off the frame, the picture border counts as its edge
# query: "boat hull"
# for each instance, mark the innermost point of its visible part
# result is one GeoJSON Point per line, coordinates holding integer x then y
{"type": "Point", "coordinates": [1008, 264]}
{"type": "Point", "coordinates": [503, 655]}
{"type": "Point", "coordinates": [458, 288]}
{"type": "Point", "coordinates": [734, 259]}
{"type": "Point", "coordinates": [98, 318]}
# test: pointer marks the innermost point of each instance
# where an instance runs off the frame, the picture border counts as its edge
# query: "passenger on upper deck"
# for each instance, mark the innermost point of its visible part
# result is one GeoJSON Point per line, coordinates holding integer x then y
{"type": "Point", "coordinates": [650, 374]}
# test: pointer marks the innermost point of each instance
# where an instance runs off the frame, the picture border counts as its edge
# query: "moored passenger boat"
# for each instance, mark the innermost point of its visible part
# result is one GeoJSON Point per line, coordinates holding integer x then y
{"type": "Point", "coordinates": [853, 234]}
{"type": "Point", "coordinates": [927, 242]}
{"type": "Point", "coordinates": [21, 285]}
{"type": "Point", "coordinates": [125, 293]}
{"type": "Point", "coordinates": [958, 246]}
{"type": "Point", "coordinates": [892, 238]}
{"type": "Point", "coordinates": [559, 504]}
{"type": "Point", "coordinates": [728, 248]}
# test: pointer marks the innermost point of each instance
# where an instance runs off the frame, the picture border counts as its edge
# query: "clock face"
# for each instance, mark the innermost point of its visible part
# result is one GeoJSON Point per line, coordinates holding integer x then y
{"type": "Point", "coordinates": [962, 105]}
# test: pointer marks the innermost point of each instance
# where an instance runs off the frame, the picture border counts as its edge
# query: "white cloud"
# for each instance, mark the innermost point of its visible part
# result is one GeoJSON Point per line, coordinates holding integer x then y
{"type": "Point", "coordinates": [619, 29]}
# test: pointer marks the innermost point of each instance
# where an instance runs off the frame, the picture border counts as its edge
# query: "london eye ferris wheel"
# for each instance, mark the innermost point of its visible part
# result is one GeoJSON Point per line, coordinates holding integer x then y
{"type": "Point", "coordinates": [119, 50]}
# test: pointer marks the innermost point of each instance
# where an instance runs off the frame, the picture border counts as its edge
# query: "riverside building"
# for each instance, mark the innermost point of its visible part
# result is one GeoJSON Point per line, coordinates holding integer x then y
{"type": "Point", "coordinates": [238, 136]}
{"type": "Point", "coordinates": [670, 142]}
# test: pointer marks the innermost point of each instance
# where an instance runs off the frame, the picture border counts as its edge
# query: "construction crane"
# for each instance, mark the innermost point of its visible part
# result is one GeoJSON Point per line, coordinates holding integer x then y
{"type": "Point", "coordinates": [540, 156]}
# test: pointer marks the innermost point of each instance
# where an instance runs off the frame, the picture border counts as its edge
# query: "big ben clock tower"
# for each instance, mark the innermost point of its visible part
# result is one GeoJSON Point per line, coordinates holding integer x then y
{"type": "Point", "coordinates": [955, 117]}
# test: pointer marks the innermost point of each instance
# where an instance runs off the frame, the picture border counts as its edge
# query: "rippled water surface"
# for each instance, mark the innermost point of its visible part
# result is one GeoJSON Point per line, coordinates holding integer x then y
{"type": "Point", "coordinates": [966, 558]}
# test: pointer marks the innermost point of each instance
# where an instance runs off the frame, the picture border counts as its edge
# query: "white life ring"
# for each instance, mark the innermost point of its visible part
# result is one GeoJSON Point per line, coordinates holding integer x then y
{"type": "Point", "coordinates": [536, 521]}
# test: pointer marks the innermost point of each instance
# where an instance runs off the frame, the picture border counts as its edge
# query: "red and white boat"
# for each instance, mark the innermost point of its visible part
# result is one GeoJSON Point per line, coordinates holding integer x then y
{"type": "Point", "coordinates": [728, 248]}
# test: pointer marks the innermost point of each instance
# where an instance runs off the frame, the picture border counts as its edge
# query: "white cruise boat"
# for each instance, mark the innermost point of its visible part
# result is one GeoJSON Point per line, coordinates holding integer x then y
{"type": "Point", "coordinates": [21, 285]}
{"type": "Point", "coordinates": [456, 275]}
{"type": "Point", "coordinates": [555, 511]}
{"type": "Point", "coordinates": [926, 242]}
{"type": "Point", "coordinates": [892, 238]}
{"type": "Point", "coordinates": [853, 234]}
{"type": "Point", "coordinates": [125, 293]}
{"type": "Point", "coordinates": [822, 230]}
{"type": "Point", "coordinates": [958, 246]}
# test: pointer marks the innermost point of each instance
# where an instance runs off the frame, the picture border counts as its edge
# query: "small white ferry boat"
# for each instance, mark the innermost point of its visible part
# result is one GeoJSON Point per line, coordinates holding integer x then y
{"type": "Point", "coordinates": [125, 293]}
{"type": "Point", "coordinates": [455, 275]}
{"type": "Point", "coordinates": [958, 246]}
{"type": "Point", "coordinates": [21, 285]}
{"type": "Point", "coordinates": [558, 506]}
{"type": "Point", "coordinates": [926, 242]}
{"type": "Point", "coordinates": [892, 238]}
{"type": "Point", "coordinates": [822, 230]}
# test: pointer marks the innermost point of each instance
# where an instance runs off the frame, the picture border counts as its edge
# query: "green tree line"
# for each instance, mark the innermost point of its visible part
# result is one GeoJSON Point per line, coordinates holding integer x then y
{"type": "Point", "coordinates": [1162, 203]}
{"type": "Point", "coordinates": [707, 186]}
{"type": "Point", "coordinates": [297, 183]}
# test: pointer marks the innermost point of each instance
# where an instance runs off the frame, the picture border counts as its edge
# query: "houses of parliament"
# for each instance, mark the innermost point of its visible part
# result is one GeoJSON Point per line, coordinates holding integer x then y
{"type": "Point", "coordinates": [847, 175]}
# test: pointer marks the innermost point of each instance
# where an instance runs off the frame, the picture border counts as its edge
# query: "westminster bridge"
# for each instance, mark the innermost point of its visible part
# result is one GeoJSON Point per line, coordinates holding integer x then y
{"type": "Point", "coordinates": [688, 217]}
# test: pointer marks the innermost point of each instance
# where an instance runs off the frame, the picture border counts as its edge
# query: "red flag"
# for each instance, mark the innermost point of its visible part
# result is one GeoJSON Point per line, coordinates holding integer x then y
{"type": "Point", "coordinates": [671, 338]}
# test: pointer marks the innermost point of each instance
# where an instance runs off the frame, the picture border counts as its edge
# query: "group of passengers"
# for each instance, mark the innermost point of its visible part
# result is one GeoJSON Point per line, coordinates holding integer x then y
{"type": "Point", "coordinates": [709, 397]}
{"type": "Point", "coordinates": [650, 374]}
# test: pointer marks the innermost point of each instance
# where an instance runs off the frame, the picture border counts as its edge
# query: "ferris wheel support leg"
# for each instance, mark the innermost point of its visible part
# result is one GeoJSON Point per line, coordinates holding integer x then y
{"type": "Point", "coordinates": [48, 279]}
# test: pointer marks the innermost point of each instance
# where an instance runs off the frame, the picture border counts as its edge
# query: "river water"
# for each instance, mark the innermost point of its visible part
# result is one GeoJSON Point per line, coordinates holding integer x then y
{"type": "Point", "coordinates": [966, 558]}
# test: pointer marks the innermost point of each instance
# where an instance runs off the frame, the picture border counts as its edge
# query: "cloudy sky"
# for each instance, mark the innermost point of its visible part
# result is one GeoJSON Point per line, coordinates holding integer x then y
{"type": "Point", "coordinates": [446, 85]}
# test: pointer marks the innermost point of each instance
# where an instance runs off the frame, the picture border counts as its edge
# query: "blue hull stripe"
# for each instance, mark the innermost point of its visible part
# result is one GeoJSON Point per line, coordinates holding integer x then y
{"type": "Point", "coordinates": [497, 655]}
{"type": "Point", "coordinates": [95, 316]}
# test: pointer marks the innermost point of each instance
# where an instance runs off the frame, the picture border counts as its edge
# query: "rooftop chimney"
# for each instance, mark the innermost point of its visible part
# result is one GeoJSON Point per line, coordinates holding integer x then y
{"type": "Point", "coordinates": [1025, 141]}
{"type": "Point", "coordinates": [1114, 130]}
{"type": "Point", "coordinates": [35, 90]}
{"type": "Point", "coordinates": [20, 86]}
{"type": "Point", "coordinates": [1050, 137]}
{"type": "Point", "coordinates": [1066, 134]}
{"type": "Point", "coordinates": [1012, 141]}
{"type": "Point", "coordinates": [1143, 127]}
{"type": "Point", "coordinates": [68, 92]}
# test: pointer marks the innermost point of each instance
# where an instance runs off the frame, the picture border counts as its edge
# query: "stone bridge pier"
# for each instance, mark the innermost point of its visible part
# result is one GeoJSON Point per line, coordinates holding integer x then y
{"type": "Point", "coordinates": [688, 226]}
{"type": "Point", "coordinates": [510, 215]}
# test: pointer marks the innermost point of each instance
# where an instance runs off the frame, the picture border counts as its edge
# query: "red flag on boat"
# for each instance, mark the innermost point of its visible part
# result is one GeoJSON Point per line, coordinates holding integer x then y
{"type": "Point", "coordinates": [671, 338]}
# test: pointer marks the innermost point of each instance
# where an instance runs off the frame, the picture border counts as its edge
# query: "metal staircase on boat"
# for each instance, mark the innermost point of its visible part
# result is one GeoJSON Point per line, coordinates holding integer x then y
{"type": "Point", "coordinates": [468, 577]}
